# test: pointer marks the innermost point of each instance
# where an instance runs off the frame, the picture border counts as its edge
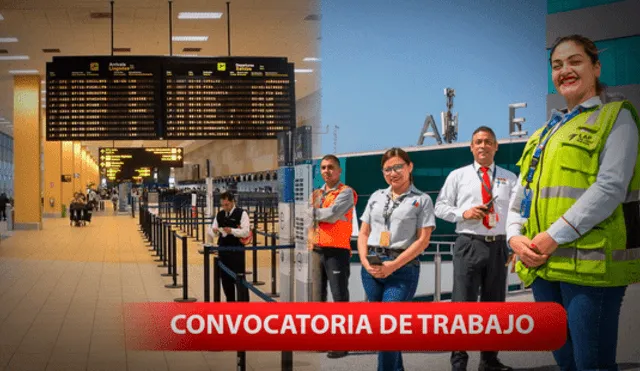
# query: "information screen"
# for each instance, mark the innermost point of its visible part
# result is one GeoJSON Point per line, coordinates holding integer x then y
{"type": "Point", "coordinates": [134, 163]}
{"type": "Point", "coordinates": [138, 98]}
{"type": "Point", "coordinates": [229, 98]}
{"type": "Point", "coordinates": [103, 98]}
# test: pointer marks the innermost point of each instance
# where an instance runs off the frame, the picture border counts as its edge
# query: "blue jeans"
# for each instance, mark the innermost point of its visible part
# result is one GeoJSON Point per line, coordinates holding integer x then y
{"type": "Point", "coordinates": [399, 286]}
{"type": "Point", "coordinates": [592, 316]}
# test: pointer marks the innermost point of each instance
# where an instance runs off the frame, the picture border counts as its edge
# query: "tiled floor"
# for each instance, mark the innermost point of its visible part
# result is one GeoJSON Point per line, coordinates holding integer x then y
{"type": "Point", "coordinates": [61, 296]}
{"type": "Point", "coordinates": [62, 290]}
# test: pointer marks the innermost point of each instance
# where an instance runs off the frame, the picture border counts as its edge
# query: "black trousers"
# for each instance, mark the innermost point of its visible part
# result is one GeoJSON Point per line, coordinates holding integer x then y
{"type": "Point", "coordinates": [235, 261]}
{"type": "Point", "coordinates": [334, 271]}
{"type": "Point", "coordinates": [478, 270]}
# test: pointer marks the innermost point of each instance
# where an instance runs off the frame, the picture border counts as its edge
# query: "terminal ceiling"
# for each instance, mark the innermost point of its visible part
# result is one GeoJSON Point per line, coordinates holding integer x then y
{"type": "Point", "coordinates": [288, 28]}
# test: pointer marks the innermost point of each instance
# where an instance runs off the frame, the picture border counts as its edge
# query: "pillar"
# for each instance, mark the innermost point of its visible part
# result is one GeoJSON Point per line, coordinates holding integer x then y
{"type": "Point", "coordinates": [66, 169]}
{"type": "Point", "coordinates": [26, 149]}
{"type": "Point", "coordinates": [77, 167]}
{"type": "Point", "coordinates": [52, 181]}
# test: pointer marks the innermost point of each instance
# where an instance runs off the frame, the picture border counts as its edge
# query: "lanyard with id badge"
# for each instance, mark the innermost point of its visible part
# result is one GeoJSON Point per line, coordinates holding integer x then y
{"type": "Point", "coordinates": [554, 124]}
{"type": "Point", "coordinates": [492, 216]}
{"type": "Point", "coordinates": [385, 235]}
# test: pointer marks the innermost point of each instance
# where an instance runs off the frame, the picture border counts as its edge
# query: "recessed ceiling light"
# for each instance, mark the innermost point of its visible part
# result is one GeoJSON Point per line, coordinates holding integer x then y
{"type": "Point", "coordinates": [303, 70]}
{"type": "Point", "coordinates": [23, 72]}
{"type": "Point", "coordinates": [51, 50]}
{"type": "Point", "coordinates": [311, 59]}
{"type": "Point", "coordinates": [191, 49]}
{"type": "Point", "coordinates": [199, 15]}
{"type": "Point", "coordinates": [14, 57]}
{"type": "Point", "coordinates": [122, 50]}
{"type": "Point", "coordinates": [190, 38]}
{"type": "Point", "coordinates": [8, 39]}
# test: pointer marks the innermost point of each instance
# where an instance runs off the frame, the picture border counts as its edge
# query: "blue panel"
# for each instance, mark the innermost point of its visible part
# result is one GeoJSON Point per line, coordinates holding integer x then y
{"type": "Point", "coordinates": [285, 177]}
{"type": "Point", "coordinates": [557, 6]}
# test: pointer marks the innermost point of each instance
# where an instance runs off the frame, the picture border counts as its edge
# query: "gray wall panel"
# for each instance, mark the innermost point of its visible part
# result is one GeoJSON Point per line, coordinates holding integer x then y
{"type": "Point", "coordinates": [631, 93]}
{"type": "Point", "coordinates": [602, 22]}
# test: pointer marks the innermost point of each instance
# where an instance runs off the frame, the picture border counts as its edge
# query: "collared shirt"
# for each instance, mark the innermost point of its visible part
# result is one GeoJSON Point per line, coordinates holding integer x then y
{"type": "Point", "coordinates": [241, 232]}
{"type": "Point", "coordinates": [341, 205]}
{"type": "Point", "coordinates": [414, 211]}
{"type": "Point", "coordinates": [617, 161]}
{"type": "Point", "coordinates": [462, 190]}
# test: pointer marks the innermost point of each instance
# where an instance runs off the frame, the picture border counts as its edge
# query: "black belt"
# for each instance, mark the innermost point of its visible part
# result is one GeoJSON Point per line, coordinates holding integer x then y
{"type": "Point", "coordinates": [500, 237]}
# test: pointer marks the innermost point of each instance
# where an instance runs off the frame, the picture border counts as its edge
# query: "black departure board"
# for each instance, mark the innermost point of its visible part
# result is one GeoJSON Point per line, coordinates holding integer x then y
{"type": "Point", "coordinates": [103, 98]}
{"type": "Point", "coordinates": [229, 98]}
{"type": "Point", "coordinates": [152, 97]}
{"type": "Point", "coordinates": [132, 163]}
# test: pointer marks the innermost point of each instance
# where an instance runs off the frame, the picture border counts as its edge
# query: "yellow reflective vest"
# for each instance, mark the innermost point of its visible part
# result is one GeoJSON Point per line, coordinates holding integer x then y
{"type": "Point", "coordinates": [569, 165]}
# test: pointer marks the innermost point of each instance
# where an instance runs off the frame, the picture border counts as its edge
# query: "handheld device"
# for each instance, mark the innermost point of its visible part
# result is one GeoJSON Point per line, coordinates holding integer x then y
{"type": "Point", "coordinates": [374, 260]}
{"type": "Point", "coordinates": [488, 204]}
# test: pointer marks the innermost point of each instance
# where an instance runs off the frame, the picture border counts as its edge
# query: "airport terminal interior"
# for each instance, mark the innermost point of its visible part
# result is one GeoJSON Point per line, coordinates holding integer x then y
{"type": "Point", "coordinates": [118, 135]}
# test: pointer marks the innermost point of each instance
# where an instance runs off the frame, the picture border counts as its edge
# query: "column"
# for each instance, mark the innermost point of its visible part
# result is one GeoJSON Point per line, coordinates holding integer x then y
{"type": "Point", "coordinates": [66, 170]}
{"type": "Point", "coordinates": [26, 149]}
{"type": "Point", "coordinates": [52, 183]}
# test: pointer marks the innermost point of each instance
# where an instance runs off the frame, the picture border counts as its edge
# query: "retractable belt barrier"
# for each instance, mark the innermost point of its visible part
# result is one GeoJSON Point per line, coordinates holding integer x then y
{"type": "Point", "coordinates": [240, 280]}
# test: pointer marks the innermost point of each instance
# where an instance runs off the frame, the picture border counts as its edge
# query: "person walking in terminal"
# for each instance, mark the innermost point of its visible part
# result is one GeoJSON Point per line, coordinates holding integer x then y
{"type": "Point", "coordinates": [232, 224]}
{"type": "Point", "coordinates": [396, 227]}
{"type": "Point", "coordinates": [331, 233]}
{"type": "Point", "coordinates": [573, 220]}
{"type": "Point", "coordinates": [476, 198]}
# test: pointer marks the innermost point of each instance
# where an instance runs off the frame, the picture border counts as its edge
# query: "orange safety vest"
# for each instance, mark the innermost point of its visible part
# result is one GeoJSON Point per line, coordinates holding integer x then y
{"type": "Point", "coordinates": [336, 234]}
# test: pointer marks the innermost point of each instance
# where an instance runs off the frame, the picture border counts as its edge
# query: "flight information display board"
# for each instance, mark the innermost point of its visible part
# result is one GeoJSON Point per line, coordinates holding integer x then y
{"type": "Point", "coordinates": [103, 98]}
{"type": "Point", "coordinates": [132, 163]}
{"type": "Point", "coordinates": [151, 97]}
{"type": "Point", "coordinates": [228, 98]}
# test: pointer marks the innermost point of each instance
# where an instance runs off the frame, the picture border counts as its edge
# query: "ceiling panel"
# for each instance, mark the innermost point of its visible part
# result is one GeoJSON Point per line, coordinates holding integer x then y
{"type": "Point", "coordinates": [258, 27]}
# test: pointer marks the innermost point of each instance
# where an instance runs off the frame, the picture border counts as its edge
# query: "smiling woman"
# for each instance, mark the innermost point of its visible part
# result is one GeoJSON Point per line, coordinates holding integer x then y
{"type": "Point", "coordinates": [573, 222]}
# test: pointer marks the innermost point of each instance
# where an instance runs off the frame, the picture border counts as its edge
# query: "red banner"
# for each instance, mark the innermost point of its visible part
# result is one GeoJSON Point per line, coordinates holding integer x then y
{"type": "Point", "coordinates": [345, 326]}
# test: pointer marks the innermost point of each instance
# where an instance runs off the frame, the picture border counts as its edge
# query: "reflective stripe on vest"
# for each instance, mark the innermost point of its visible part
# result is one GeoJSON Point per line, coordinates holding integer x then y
{"type": "Point", "coordinates": [561, 191]}
{"type": "Point", "coordinates": [632, 196]}
{"type": "Point", "coordinates": [597, 254]}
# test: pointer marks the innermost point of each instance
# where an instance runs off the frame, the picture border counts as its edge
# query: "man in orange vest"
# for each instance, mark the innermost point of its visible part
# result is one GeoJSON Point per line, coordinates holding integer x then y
{"type": "Point", "coordinates": [333, 209]}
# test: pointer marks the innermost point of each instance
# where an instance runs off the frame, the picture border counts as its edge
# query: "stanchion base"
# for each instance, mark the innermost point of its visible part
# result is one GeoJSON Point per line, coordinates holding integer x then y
{"type": "Point", "coordinates": [151, 249]}
{"type": "Point", "coordinates": [257, 283]}
{"type": "Point", "coordinates": [156, 260]}
{"type": "Point", "coordinates": [187, 300]}
{"type": "Point", "coordinates": [247, 273]}
{"type": "Point", "coordinates": [276, 295]}
{"type": "Point", "coordinates": [172, 286]}
{"type": "Point", "coordinates": [162, 265]}
{"type": "Point", "coordinates": [166, 274]}
{"type": "Point", "coordinates": [201, 251]}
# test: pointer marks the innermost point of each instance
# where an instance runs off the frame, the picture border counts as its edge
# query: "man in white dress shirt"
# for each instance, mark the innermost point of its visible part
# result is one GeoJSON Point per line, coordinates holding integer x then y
{"type": "Point", "coordinates": [476, 198]}
{"type": "Point", "coordinates": [232, 224]}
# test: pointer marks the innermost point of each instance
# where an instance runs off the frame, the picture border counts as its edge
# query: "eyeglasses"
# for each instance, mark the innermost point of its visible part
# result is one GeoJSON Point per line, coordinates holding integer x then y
{"type": "Point", "coordinates": [395, 168]}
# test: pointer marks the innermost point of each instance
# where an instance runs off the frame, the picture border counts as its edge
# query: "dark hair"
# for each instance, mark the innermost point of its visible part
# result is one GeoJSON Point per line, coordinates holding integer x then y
{"type": "Point", "coordinates": [331, 158]}
{"type": "Point", "coordinates": [227, 196]}
{"type": "Point", "coordinates": [589, 48]}
{"type": "Point", "coordinates": [397, 152]}
{"type": "Point", "coordinates": [486, 129]}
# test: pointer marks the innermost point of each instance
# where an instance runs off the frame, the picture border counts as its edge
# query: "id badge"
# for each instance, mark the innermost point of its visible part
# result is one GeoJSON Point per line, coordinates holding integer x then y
{"type": "Point", "coordinates": [493, 219]}
{"type": "Point", "coordinates": [385, 239]}
{"type": "Point", "coordinates": [525, 205]}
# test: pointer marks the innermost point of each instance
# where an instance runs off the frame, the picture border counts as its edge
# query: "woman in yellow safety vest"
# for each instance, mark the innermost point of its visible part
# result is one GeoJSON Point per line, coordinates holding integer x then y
{"type": "Point", "coordinates": [573, 221]}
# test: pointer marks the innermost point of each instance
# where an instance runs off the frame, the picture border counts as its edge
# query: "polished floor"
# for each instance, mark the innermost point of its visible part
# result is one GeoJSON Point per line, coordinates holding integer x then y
{"type": "Point", "coordinates": [62, 290]}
